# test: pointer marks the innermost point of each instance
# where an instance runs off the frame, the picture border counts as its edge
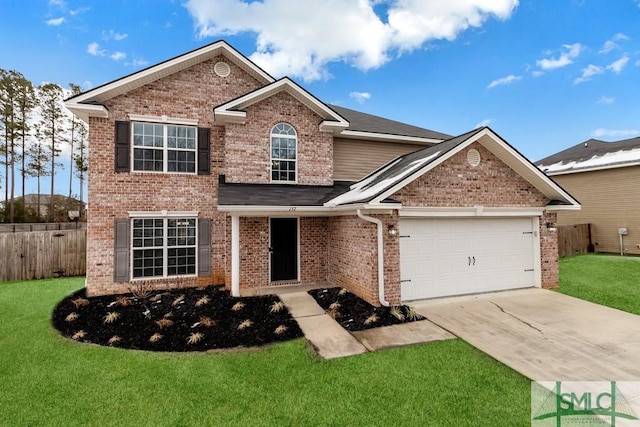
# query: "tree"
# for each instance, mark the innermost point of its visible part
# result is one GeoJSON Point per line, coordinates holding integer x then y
{"type": "Point", "coordinates": [75, 126]}
{"type": "Point", "coordinates": [7, 116]}
{"type": "Point", "coordinates": [26, 102]}
{"type": "Point", "coordinates": [38, 167]}
{"type": "Point", "coordinates": [81, 161]}
{"type": "Point", "coordinates": [51, 129]}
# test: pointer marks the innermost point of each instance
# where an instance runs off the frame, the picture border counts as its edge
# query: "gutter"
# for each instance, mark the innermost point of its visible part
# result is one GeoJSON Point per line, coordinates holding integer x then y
{"type": "Point", "coordinates": [380, 256]}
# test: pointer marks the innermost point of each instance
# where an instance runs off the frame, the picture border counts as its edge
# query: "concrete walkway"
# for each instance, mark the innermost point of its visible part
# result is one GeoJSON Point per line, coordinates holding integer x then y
{"type": "Point", "coordinates": [544, 335]}
{"type": "Point", "coordinates": [331, 340]}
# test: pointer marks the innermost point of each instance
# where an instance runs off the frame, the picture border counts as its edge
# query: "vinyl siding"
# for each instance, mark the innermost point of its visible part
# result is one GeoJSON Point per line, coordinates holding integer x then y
{"type": "Point", "coordinates": [610, 199]}
{"type": "Point", "coordinates": [354, 159]}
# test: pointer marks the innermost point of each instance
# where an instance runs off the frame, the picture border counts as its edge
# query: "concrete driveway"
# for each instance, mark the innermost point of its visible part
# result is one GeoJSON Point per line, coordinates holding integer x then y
{"type": "Point", "coordinates": [544, 335]}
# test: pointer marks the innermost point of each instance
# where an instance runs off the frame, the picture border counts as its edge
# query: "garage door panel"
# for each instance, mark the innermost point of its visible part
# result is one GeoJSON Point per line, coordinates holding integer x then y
{"type": "Point", "coordinates": [453, 256]}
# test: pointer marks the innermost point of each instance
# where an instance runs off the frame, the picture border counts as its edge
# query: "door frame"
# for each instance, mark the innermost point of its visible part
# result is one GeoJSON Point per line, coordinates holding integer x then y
{"type": "Point", "coordinates": [297, 279]}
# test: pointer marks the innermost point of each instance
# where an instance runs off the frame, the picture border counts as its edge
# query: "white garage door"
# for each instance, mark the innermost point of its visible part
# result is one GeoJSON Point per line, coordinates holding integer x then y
{"type": "Point", "coordinates": [442, 257]}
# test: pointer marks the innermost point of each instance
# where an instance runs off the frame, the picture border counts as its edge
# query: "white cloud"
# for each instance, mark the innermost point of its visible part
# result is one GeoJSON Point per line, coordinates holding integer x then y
{"type": "Point", "coordinates": [94, 49]}
{"type": "Point", "coordinates": [588, 72]}
{"type": "Point", "coordinates": [537, 73]}
{"type": "Point", "coordinates": [570, 52]}
{"type": "Point", "coordinates": [137, 63]}
{"type": "Point", "coordinates": [638, 63]}
{"type": "Point", "coordinates": [113, 35]}
{"type": "Point", "coordinates": [610, 45]}
{"type": "Point", "coordinates": [78, 11]}
{"type": "Point", "coordinates": [117, 56]}
{"type": "Point", "coordinates": [618, 65]}
{"type": "Point", "coordinates": [54, 22]}
{"type": "Point", "coordinates": [294, 38]}
{"type": "Point", "coordinates": [483, 123]}
{"type": "Point", "coordinates": [600, 132]}
{"type": "Point", "coordinates": [606, 100]}
{"type": "Point", "coordinates": [60, 3]}
{"type": "Point", "coordinates": [504, 81]}
{"type": "Point", "coordinates": [361, 97]}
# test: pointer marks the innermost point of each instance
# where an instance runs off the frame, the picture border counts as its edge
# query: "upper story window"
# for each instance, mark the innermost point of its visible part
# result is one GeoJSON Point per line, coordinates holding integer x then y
{"type": "Point", "coordinates": [164, 148]}
{"type": "Point", "coordinates": [284, 152]}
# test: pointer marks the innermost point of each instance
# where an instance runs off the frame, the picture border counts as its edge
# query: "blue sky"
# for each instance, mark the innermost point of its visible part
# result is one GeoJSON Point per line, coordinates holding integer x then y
{"type": "Point", "coordinates": [544, 74]}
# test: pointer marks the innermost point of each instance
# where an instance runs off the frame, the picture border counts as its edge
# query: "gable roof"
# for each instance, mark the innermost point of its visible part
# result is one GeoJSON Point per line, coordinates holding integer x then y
{"type": "Point", "coordinates": [593, 155]}
{"type": "Point", "coordinates": [381, 184]}
{"type": "Point", "coordinates": [233, 111]}
{"type": "Point", "coordinates": [88, 103]}
{"type": "Point", "coordinates": [375, 127]}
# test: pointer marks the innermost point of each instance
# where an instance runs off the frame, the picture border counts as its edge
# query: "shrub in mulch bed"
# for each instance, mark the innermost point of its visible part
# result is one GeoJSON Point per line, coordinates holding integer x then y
{"type": "Point", "coordinates": [355, 314]}
{"type": "Point", "coordinates": [193, 319]}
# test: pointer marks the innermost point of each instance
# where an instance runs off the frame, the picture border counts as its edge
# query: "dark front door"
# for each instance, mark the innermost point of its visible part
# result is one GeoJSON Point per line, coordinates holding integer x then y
{"type": "Point", "coordinates": [284, 249]}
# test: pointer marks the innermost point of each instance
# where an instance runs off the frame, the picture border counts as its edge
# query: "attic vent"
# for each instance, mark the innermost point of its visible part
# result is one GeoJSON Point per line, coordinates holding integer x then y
{"type": "Point", "coordinates": [222, 69]}
{"type": "Point", "coordinates": [473, 157]}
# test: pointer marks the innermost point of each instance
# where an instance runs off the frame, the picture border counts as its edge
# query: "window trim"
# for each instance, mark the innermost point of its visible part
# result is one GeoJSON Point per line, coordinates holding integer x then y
{"type": "Point", "coordinates": [165, 122]}
{"type": "Point", "coordinates": [165, 216]}
{"type": "Point", "coordinates": [271, 135]}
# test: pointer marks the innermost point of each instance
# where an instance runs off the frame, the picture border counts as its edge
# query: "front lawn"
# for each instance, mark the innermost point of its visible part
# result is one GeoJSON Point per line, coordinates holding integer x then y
{"type": "Point", "coordinates": [51, 380]}
{"type": "Point", "coordinates": [609, 280]}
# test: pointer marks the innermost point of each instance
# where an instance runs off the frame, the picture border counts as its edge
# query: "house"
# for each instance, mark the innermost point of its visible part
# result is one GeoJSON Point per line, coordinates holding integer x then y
{"type": "Point", "coordinates": [205, 169]}
{"type": "Point", "coordinates": [603, 176]}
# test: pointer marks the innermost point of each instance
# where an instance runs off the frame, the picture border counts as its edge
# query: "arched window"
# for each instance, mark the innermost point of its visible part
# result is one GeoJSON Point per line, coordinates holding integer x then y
{"type": "Point", "coordinates": [284, 152]}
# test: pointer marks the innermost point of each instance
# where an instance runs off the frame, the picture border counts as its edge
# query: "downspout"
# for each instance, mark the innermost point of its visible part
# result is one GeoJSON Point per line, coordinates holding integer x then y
{"type": "Point", "coordinates": [380, 256]}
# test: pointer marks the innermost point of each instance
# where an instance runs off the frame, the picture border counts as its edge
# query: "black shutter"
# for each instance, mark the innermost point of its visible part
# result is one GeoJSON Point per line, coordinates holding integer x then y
{"type": "Point", "coordinates": [204, 247]}
{"type": "Point", "coordinates": [204, 144]}
{"type": "Point", "coordinates": [121, 252]}
{"type": "Point", "coordinates": [123, 139]}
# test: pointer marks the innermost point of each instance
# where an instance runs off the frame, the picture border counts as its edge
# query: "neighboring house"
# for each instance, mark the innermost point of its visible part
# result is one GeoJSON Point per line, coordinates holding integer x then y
{"type": "Point", "coordinates": [604, 177]}
{"type": "Point", "coordinates": [205, 169]}
{"type": "Point", "coordinates": [62, 204]}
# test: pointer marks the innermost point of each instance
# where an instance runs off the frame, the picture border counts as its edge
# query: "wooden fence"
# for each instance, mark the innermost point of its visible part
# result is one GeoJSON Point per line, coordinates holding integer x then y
{"type": "Point", "coordinates": [41, 226]}
{"type": "Point", "coordinates": [42, 254]}
{"type": "Point", "coordinates": [574, 239]}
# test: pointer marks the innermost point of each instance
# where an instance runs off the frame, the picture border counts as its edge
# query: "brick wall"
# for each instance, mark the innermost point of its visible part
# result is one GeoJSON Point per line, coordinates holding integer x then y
{"type": "Point", "coordinates": [189, 94]}
{"type": "Point", "coordinates": [248, 146]}
{"type": "Point", "coordinates": [254, 252]}
{"type": "Point", "coordinates": [492, 184]}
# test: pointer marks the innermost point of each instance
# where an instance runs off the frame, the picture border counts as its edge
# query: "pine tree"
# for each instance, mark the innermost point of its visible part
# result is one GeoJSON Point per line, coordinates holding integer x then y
{"type": "Point", "coordinates": [81, 161]}
{"type": "Point", "coordinates": [75, 125]}
{"type": "Point", "coordinates": [26, 102]}
{"type": "Point", "coordinates": [38, 166]}
{"type": "Point", "coordinates": [51, 130]}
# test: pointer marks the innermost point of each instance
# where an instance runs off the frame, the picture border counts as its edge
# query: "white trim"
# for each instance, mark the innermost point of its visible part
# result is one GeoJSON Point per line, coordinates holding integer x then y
{"type": "Point", "coordinates": [162, 214]}
{"type": "Point", "coordinates": [330, 126]}
{"type": "Point", "coordinates": [537, 261]}
{"type": "Point", "coordinates": [84, 111]}
{"type": "Point", "coordinates": [165, 246]}
{"type": "Point", "coordinates": [297, 279]}
{"type": "Point", "coordinates": [357, 134]}
{"type": "Point", "coordinates": [556, 208]}
{"type": "Point", "coordinates": [591, 169]}
{"type": "Point", "coordinates": [165, 146]}
{"type": "Point", "coordinates": [476, 211]}
{"type": "Point", "coordinates": [229, 110]}
{"type": "Point", "coordinates": [163, 120]}
{"type": "Point", "coordinates": [170, 66]}
{"type": "Point", "coordinates": [283, 211]}
{"type": "Point", "coordinates": [280, 159]}
{"type": "Point", "coordinates": [235, 256]}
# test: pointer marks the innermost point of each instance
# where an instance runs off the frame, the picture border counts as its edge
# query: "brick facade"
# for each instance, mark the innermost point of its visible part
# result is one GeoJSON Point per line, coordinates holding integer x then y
{"type": "Point", "coordinates": [340, 250]}
{"type": "Point", "coordinates": [247, 146]}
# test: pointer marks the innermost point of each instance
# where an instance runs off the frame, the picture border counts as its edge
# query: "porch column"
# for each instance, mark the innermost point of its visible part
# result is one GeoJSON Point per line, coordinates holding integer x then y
{"type": "Point", "coordinates": [235, 255]}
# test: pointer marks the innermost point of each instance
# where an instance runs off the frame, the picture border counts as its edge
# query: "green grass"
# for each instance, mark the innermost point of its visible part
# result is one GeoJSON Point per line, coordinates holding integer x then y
{"type": "Point", "coordinates": [49, 380]}
{"type": "Point", "coordinates": [609, 280]}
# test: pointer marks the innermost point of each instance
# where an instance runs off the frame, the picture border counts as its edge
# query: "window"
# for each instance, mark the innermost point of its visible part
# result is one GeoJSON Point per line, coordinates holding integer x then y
{"type": "Point", "coordinates": [283, 153]}
{"type": "Point", "coordinates": [164, 148]}
{"type": "Point", "coordinates": [163, 247]}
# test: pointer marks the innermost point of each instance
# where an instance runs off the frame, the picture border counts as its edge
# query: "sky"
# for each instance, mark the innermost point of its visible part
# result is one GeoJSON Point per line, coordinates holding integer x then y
{"type": "Point", "coordinates": [543, 74]}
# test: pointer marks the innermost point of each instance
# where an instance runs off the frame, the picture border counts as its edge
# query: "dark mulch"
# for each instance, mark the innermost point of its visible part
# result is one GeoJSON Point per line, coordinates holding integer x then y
{"type": "Point", "coordinates": [355, 314]}
{"type": "Point", "coordinates": [194, 319]}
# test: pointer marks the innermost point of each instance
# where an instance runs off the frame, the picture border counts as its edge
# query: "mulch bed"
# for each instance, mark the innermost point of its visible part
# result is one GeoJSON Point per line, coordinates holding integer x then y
{"type": "Point", "coordinates": [355, 314]}
{"type": "Point", "coordinates": [194, 319]}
